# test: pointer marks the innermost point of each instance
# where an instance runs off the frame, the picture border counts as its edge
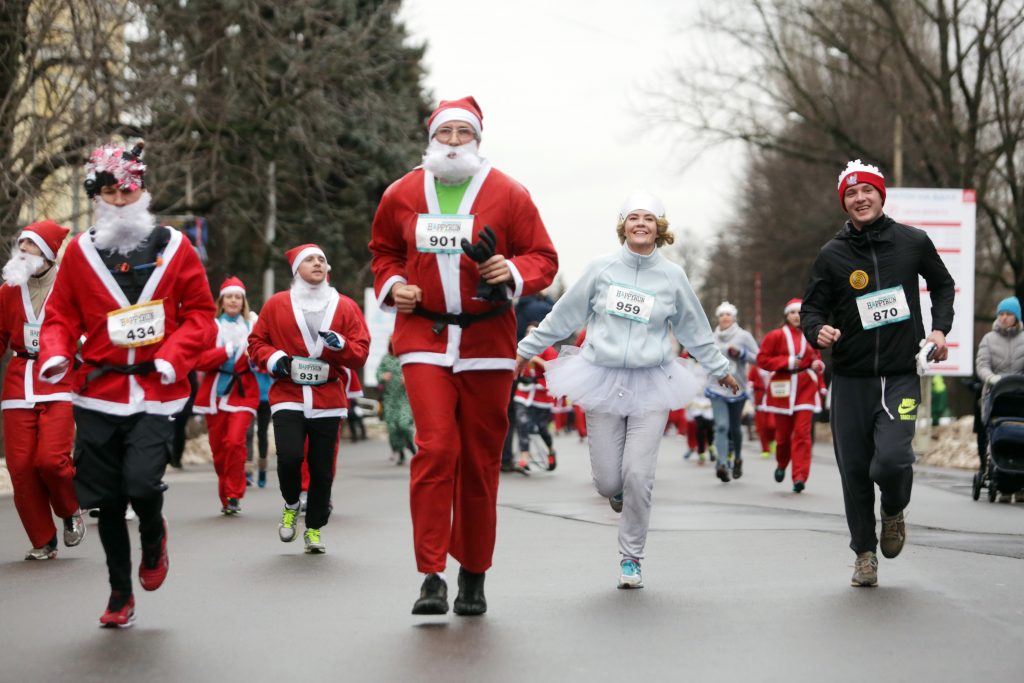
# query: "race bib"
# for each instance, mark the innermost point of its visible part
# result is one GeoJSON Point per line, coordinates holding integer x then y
{"type": "Point", "coordinates": [309, 371]}
{"type": "Point", "coordinates": [442, 234]}
{"type": "Point", "coordinates": [780, 389]}
{"type": "Point", "coordinates": [884, 307]}
{"type": "Point", "coordinates": [138, 325]}
{"type": "Point", "coordinates": [32, 337]}
{"type": "Point", "coordinates": [630, 302]}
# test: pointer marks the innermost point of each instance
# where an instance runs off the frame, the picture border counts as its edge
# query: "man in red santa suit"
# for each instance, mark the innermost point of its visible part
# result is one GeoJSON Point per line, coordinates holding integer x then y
{"type": "Point", "coordinates": [305, 338]}
{"type": "Point", "coordinates": [39, 428]}
{"type": "Point", "coordinates": [229, 394]}
{"type": "Point", "coordinates": [792, 395]}
{"type": "Point", "coordinates": [455, 336]}
{"type": "Point", "coordinates": [137, 293]}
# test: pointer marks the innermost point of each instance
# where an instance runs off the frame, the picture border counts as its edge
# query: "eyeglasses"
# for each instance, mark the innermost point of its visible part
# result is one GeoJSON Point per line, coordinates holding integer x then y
{"type": "Point", "coordinates": [447, 133]}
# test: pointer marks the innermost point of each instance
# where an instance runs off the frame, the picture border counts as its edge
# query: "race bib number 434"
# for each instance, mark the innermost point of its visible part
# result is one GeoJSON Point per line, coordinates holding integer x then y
{"type": "Point", "coordinates": [629, 302]}
{"type": "Point", "coordinates": [442, 234]}
{"type": "Point", "coordinates": [138, 325]}
{"type": "Point", "coordinates": [883, 307]}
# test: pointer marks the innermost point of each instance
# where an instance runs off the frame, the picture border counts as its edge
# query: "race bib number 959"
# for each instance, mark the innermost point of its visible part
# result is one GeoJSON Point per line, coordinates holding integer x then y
{"type": "Point", "coordinates": [138, 325]}
{"type": "Point", "coordinates": [629, 302]}
{"type": "Point", "coordinates": [883, 307]}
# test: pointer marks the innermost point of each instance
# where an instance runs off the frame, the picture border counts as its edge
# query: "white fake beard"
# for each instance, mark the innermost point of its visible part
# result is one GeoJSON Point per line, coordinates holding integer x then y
{"type": "Point", "coordinates": [234, 333]}
{"type": "Point", "coordinates": [311, 298]}
{"type": "Point", "coordinates": [452, 164]}
{"type": "Point", "coordinates": [122, 228]}
{"type": "Point", "coordinates": [21, 267]}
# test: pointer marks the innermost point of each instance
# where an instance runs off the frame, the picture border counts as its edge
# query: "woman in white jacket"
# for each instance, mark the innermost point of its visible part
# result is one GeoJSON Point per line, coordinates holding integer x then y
{"type": "Point", "coordinates": [626, 375]}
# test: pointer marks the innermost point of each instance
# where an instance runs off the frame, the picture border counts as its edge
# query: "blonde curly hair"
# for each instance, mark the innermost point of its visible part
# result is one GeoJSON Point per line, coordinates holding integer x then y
{"type": "Point", "coordinates": [665, 236]}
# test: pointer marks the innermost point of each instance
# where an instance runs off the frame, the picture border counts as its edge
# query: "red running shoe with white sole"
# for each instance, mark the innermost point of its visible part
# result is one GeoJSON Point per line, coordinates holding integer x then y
{"type": "Point", "coordinates": [120, 613]}
{"type": "Point", "coordinates": [153, 570]}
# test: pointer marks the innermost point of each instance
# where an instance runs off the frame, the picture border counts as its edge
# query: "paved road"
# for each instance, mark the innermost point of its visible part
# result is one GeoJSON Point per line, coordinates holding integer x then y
{"type": "Point", "coordinates": [745, 581]}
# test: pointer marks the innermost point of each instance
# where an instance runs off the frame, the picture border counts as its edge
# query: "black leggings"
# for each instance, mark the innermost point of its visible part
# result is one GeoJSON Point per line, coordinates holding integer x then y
{"type": "Point", "coordinates": [260, 426]}
{"type": "Point", "coordinates": [116, 543]}
{"type": "Point", "coordinates": [291, 432]}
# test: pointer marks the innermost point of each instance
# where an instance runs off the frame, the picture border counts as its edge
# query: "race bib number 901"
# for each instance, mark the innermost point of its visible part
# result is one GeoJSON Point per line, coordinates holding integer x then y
{"type": "Point", "coordinates": [309, 371]}
{"type": "Point", "coordinates": [442, 234]}
{"type": "Point", "coordinates": [883, 307]}
{"type": "Point", "coordinates": [629, 302]}
{"type": "Point", "coordinates": [138, 325]}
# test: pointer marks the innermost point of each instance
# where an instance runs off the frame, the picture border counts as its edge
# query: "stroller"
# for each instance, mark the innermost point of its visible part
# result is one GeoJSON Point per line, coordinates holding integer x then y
{"type": "Point", "coordinates": [1002, 415]}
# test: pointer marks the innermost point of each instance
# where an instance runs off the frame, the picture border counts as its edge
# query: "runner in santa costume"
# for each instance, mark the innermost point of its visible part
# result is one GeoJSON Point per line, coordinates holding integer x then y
{"type": "Point", "coordinates": [136, 292]}
{"type": "Point", "coordinates": [533, 407]}
{"type": "Point", "coordinates": [455, 335]}
{"type": "Point", "coordinates": [38, 425]}
{"type": "Point", "coordinates": [305, 338]}
{"type": "Point", "coordinates": [229, 394]}
{"type": "Point", "coordinates": [792, 394]}
{"type": "Point", "coordinates": [764, 421]}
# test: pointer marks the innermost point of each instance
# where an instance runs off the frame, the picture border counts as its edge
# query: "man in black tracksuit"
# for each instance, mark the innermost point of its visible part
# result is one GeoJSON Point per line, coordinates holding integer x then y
{"type": "Point", "coordinates": [863, 301]}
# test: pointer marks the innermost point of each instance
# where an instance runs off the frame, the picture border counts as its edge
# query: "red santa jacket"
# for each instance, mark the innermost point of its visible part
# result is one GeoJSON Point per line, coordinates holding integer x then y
{"type": "Point", "coordinates": [22, 386]}
{"type": "Point", "coordinates": [282, 331]}
{"type": "Point", "coordinates": [793, 385]}
{"type": "Point", "coordinates": [449, 281]}
{"type": "Point", "coordinates": [244, 394]}
{"type": "Point", "coordinates": [535, 392]}
{"type": "Point", "coordinates": [758, 379]}
{"type": "Point", "coordinates": [83, 295]}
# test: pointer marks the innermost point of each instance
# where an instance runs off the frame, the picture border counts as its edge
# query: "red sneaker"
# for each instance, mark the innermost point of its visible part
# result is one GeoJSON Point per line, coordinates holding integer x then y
{"type": "Point", "coordinates": [120, 613]}
{"type": "Point", "coordinates": [153, 570]}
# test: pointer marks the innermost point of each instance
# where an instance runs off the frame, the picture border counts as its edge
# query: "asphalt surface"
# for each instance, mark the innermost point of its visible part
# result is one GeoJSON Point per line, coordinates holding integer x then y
{"type": "Point", "coordinates": [744, 581]}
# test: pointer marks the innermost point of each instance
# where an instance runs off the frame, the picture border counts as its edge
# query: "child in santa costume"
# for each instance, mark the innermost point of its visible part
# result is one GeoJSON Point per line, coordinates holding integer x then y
{"type": "Point", "coordinates": [455, 336]}
{"type": "Point", "coordinates": [764, 421]}
{"type": "Point", "coordinates": [38, 425]}
{"type": "Point", "coordinates": [533, 407]}
{"type": "Point", "coordinates": [792, 395]}
{"type": "Point", "coordinates": [136, 292]}
{"type": "Point", "coordinates": [229, 394]}
{"type": "Point", "coordinates": [305, 338]}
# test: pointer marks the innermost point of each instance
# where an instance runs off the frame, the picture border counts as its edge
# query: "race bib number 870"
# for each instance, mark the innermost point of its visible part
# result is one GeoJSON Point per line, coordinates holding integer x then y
{"type": "Point", "coordinates": [883, 307]}
{"type": "Point", "coordinates": [138, 325]}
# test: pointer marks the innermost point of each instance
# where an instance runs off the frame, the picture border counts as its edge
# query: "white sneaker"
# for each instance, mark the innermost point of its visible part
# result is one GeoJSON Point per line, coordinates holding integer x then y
{"type": "Point", "coordinates": [630, 576]}
{"type": "Point", "coordinates": [46, 552]}
{"type": "Point", "coordinates": [314, 544]}
{"type": "Point", "coordinates": [289, 521]}
{"type": "Point", "coordinates": [74, 529]}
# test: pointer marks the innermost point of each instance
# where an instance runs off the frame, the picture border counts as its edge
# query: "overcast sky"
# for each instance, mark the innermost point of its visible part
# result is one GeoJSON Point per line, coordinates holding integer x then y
{"type": "Point", "coordinates": [561, 86]}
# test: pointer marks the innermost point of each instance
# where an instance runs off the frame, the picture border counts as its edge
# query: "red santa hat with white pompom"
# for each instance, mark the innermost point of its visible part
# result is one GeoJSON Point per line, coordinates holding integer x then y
{"type": "Point", "coordinates": [298, 254]}
{"type": "Point", "coordinates": [857, 172]}
{"type": "Point", "coordinates": [232, 286]}
{"type": "Point", "coordinates": [46, 235]}
{"type": "Point", "coordinates": [463, 109]}
{"type": "Point", "coordinates": [792, 305]}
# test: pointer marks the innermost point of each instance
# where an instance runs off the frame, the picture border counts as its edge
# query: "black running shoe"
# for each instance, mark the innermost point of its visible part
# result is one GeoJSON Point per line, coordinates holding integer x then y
{"type": "Point", "coordinates": [470, 601]}
{"type": "Point", "coordinates": [780, 474]}
{"type": "Point", "coordinates": [737, 468]}
{"type": "Point", "coordinates": [723, 473]}
{"type": "Point", "coordinates": [433, 596]}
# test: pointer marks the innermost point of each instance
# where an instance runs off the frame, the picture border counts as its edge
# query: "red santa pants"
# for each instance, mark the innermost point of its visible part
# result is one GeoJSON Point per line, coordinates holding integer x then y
{"type": "Point", "coordinates": [227, 432]}
{"type": "Point", "coordinates": [677, 418]}
{"type": "Point", "coordinates": [765, 424]}
{"type": "Point", "coordinates": [793, 442]}
{"type": "Point", "coordinates": [461, 421]}
{"type": "Point", "coordinates": [38, 442]}
{"type": "Point", "coordinates": [581, 421]}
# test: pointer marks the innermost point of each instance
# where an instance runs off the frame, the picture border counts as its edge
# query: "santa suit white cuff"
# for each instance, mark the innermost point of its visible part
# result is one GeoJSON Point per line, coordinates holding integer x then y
{"type": "Point", "coordinates": [385, 292]}
{"type": "Point", "coordinates": [272, 361]}
{"type": "Point", "coordinates": [166, 370]}
{"type": "Point", "coordinates": [52, 363]}
{"type": "Point", "coordinates": [517, 290]}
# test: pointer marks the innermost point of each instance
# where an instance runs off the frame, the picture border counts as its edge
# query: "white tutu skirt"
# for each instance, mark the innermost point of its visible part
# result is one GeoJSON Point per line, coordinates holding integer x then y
{"type": "Point", "coordinates": [619, 391]}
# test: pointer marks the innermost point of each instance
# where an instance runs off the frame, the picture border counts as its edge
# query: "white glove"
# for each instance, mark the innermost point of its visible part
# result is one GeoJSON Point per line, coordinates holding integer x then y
{"type": "Point", "coordinates": [230, 348]}
{"type": "Point", "coordinates": [166, 370]}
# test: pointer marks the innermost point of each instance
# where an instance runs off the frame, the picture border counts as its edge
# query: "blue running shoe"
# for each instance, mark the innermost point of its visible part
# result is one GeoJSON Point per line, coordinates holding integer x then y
{"type": "Point", "coordinates": [630, 576]}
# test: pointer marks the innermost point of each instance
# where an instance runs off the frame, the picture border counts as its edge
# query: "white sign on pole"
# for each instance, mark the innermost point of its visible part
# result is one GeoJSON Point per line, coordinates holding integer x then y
{"type": "Point", "coordinates": [949, 217]}
{"type": "Point", "coordinates": [381, 325]}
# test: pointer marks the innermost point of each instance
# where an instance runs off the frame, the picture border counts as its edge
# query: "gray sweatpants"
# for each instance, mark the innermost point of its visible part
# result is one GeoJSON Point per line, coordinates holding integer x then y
{"type": "Point", "coordinates": [623, 456]}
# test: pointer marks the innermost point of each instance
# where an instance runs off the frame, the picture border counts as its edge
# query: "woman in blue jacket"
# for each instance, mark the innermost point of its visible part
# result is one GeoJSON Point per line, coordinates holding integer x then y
{"type": "Point", "coordinates": [626, 376]}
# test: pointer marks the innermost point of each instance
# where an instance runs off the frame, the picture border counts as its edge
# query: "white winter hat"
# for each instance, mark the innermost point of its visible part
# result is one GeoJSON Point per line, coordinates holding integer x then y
{"type": "Point", "coordinates": [645, 201]}
{"type": "Point", "coordinates": [726, 307]}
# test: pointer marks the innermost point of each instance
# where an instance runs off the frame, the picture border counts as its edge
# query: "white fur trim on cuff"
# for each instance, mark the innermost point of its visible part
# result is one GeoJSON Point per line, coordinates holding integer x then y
{"type": "Point", "coordinates": [385, 292]}
{"type": "Point", "coordinates": [166, 370]}
{"type": "Point", "coordinates": [517, 289]}
{"type": "Point", "coordinates": [272, 361]}
{"type": "Point", "coordinates": [455, 114]}
{"type": "Point", "coordinates": [52, 363]}
{"type": "Point", "coordinates": [39, 242]}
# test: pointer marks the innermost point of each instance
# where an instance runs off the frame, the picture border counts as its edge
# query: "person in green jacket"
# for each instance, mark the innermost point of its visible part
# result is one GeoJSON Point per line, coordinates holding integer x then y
{"type": "Point", "coordinates": [397, 413]}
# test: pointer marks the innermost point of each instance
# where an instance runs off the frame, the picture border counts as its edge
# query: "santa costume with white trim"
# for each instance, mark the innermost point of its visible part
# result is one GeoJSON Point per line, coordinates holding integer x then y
{"type": "Point", "coordinates": [457, 350]}
{"type": "Point", "coordinates": [39, 428]}
{"type": "Point", "coordinates": [792, 394]}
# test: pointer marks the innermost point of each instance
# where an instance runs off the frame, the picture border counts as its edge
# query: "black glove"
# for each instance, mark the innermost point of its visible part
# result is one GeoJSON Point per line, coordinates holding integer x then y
{"type": "Point", "coordinates": [283, 367]}
{"type": "Point", "coordinates": [480, 251]}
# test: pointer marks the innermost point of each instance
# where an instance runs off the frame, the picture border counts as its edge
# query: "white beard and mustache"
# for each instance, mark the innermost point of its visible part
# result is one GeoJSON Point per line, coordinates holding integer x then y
{"type": "Point", "coordinates": [21, 267]}
{"type": "Point", "coordinates": [311, 298]}
{"type": "Point", "coordinates": [122, 228]}
{"type": "Point", "coordinates": [453, 164]}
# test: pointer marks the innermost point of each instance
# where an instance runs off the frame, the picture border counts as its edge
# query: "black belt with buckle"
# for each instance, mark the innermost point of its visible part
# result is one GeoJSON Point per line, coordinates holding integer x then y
{"type": "Point", "coordinates": [463, 320]}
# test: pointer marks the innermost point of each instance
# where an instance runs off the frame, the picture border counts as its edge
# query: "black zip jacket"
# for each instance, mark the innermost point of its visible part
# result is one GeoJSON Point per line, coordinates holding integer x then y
{"type": "Point", "coordinates": [889, 254]}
